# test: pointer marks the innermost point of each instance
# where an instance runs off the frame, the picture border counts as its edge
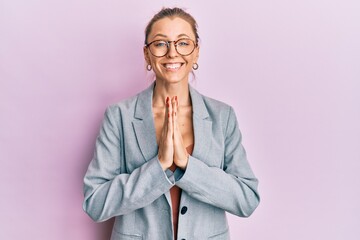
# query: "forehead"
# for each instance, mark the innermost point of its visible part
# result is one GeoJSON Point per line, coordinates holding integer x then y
{"type": "Point", "coordinates": [172, 28]}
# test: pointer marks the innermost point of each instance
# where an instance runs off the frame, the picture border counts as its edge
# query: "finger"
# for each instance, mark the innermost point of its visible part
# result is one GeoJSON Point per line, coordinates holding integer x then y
{"type": "Point", "coordinates": [174, 112]}
{"type": "Point", "coordinates": [164, 129]}
{"type": "Point", "coordinates": [174, 107]}
{"type": "Point", "coordinates": [176, 115]}
{"type": "Point", "coordinates": [169, 117]}
{"type": "Point", "coordinates": [167, 106]}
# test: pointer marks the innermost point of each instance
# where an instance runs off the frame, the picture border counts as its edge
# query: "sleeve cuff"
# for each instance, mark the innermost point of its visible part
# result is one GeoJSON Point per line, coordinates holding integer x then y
{"type": "Point", "coordinates": [191, 173]}
{"type": "Point", "coordinates": [168, 174]}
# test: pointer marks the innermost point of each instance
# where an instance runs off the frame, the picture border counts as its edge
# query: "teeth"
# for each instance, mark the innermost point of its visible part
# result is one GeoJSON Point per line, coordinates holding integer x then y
{"type": "Point", "coordinates": [172, 65]}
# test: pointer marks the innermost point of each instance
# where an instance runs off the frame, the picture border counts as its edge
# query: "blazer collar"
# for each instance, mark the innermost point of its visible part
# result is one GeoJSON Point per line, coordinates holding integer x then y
{"type": "Point", "coordinates": [145, 129]}
{"type": "Point", "coordinates": [198, 105]}
{"type": "Point", "coordinates": [143, 108]}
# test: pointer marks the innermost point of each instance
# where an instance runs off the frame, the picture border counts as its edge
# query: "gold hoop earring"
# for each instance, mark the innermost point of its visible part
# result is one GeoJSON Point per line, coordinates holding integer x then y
{"type": "Point", "coordinates": [195, 66]}
{"type": "Point", "coordinates": [149, 67]}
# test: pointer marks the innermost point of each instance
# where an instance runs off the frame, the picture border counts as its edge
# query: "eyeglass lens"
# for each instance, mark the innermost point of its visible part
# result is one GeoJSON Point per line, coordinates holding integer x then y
{"type": "Point", "coordinates": [160, 48]}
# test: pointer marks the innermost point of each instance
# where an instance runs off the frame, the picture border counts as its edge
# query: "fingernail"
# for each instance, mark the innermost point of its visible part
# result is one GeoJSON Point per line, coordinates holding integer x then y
{"type": "Point", "coordinates": [176, 98]}
{"type": "Point", "coordinates": [167, 99]}
{"type": "Point", "coordinates": [167, 105]}
{"type": "Point", "coordinates": [168, 115]}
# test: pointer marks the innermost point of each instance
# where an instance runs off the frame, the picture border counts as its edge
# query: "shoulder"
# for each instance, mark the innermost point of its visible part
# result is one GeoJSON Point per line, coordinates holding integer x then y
{"type": "Point", "coordinates": [123, 107]}
{"type": "Point", "coordinates": [128, 108]}
{"type": "Point", "coordinates": [125, 104]}
{"type": "Point", "coordinates": [215, 105]}
{"type": "Point", "coordinates": [221, 114]}
{"type": "Point", "coordinates": [215, 108]}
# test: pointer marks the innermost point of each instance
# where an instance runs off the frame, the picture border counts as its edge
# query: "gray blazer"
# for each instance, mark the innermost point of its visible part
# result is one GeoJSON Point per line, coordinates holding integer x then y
{"type": "Point", "coordinates": [125, 179]}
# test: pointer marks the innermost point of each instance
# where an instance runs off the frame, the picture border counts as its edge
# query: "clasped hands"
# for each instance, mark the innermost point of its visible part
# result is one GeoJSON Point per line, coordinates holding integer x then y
{"type": "Point", "coordinates": [171, 145]}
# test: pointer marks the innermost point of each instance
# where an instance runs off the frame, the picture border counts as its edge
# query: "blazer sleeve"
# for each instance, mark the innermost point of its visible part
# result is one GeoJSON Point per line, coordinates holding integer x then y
{"type": "Point", "coordinates": [232, 188]}
{"type": "Point", "coordinates": [108, 190]}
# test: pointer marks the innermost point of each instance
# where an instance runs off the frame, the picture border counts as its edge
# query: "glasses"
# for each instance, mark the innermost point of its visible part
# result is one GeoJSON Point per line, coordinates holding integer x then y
{"type": "Point", "coordinates": [183, 46]}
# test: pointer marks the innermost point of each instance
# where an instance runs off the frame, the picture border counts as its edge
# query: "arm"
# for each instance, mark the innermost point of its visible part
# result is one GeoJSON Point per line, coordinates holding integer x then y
{"type": "Point", "coordinates": [108, 190]}
{"type": "Point", "coordinates": [233, 188]}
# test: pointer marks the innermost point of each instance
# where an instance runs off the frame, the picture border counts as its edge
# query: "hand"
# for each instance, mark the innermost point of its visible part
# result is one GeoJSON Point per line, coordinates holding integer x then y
{"type": "Point", "coordinates": [181, 156]}
{"type": "Point", "coordinates": [166, 145]}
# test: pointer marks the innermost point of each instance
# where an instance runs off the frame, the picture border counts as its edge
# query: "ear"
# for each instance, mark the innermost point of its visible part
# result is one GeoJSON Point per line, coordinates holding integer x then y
{"type": "Point", "coordinates": [146, 55]}
{"type": "Point", "coordinates": [197, 52]}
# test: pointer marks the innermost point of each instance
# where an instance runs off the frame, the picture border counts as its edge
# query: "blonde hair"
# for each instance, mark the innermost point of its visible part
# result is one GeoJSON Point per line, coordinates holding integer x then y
{"type": "Point", "coordinates": [172, 13]}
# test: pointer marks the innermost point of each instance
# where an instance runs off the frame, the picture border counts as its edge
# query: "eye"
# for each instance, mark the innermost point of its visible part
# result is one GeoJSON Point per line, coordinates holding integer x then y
{"type": "Point", "coordinates": [159, 44]}
{"type": "Point", "coordinates": [183, 43]}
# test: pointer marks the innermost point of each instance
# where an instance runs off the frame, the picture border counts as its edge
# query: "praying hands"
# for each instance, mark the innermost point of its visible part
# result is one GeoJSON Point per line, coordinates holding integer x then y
{"type": "Point", "coordinates": [171, 145]}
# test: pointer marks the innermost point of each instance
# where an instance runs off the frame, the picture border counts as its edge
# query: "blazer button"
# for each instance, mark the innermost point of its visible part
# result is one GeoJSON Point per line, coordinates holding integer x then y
{"type": "Point", "coordinates": [183, 210]}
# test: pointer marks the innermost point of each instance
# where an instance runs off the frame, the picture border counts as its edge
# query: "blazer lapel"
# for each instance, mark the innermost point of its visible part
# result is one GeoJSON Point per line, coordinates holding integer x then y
{"type": "Point", "coordinates": [145, 129]}
{"type": "Point", "coordinates": [144, 124]}
{"type": "Point", "coordinates": [201, 124]}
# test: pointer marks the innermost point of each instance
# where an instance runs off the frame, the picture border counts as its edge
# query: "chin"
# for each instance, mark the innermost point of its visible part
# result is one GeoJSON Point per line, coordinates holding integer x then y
{"type": "Point", "coordinates": [173, 79]}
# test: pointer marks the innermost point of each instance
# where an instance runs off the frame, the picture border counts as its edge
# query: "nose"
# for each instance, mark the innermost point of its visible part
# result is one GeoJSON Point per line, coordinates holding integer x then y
{"type": "Point", "coordinates": [172, 49]}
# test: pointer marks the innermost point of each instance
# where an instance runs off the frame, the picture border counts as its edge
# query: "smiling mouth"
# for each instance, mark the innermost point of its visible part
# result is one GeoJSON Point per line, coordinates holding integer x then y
{"type": "Point", "coordinates": [172, 66]}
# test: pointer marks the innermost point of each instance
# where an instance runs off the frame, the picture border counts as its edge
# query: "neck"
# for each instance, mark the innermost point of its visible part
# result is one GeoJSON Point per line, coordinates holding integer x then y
{"type": "Point", "coordinates": [163, 90]}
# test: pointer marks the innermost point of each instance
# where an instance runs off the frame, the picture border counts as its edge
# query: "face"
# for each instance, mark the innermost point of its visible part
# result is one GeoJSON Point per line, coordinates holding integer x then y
{"type": "Point", "coordinates": [173, 67]}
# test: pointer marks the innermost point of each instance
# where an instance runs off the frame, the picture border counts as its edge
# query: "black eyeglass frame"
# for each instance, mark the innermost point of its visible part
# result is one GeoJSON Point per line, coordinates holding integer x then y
{"type": "Point", "coordinates": [168, 46]}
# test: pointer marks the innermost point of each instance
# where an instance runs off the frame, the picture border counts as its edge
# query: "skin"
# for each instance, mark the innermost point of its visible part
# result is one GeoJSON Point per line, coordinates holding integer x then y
{"type": "Point", "coordinates": [172, 109]}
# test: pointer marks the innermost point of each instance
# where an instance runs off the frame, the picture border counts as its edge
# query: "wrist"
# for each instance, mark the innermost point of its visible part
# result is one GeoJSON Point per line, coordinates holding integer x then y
{"type": "Point", "coordinates": [184, 162]}
{"type": "Point", "coordinates": [164, 165]}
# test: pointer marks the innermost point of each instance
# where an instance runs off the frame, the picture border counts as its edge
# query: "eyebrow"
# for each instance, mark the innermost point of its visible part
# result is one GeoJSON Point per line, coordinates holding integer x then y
{"type": "Point", "coordinates": [162, 35]}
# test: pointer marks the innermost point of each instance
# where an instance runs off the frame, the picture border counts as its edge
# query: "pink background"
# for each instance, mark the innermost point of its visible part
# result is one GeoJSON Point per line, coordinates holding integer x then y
{"type": "Point", "coordinates": [291, 69]}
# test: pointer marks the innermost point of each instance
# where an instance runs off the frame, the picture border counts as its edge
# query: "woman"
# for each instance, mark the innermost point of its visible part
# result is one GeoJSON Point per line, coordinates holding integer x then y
{"type": "Point", "coordinates": [169, 162]}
